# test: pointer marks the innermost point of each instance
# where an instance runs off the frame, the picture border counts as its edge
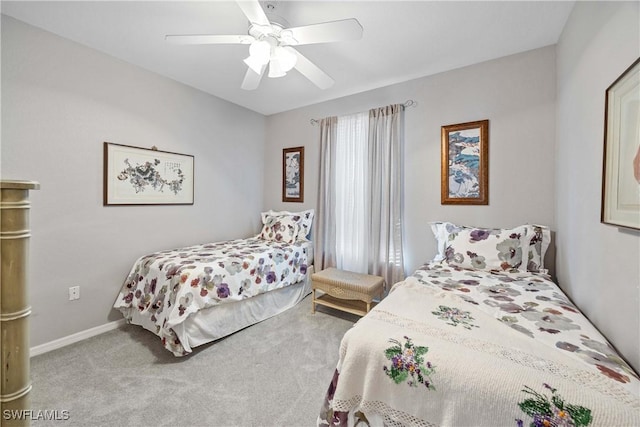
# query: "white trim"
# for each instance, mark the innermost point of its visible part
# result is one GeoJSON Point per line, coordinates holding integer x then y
{"type": "Point", "coordinates": [74, 338]}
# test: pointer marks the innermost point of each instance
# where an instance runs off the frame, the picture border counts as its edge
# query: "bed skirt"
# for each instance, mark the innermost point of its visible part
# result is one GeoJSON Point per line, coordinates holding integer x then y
{"type": "Point", "coordinates": [222, 320]}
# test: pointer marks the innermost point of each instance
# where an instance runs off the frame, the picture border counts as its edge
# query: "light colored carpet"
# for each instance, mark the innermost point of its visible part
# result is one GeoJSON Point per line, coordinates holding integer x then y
{"type": "Point", "coordinates": [274, 373]}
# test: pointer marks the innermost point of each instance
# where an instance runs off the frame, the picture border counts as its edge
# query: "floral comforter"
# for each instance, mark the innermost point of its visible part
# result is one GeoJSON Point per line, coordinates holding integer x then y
{"type": "Point", "coordinates": [169, 286]}
{"type": "Point", "coordinates": [461, 347]}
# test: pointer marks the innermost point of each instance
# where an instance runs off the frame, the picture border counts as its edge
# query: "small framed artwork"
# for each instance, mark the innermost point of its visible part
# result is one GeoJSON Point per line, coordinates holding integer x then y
{"type": "Point", "coordinates": [142, 176]}
{"type": "Point", "coordinates": [621, 163]}
{"type": "Point", "coordinates": [465, 164]}
{"type": "Point", "coordinates": [293, 174]}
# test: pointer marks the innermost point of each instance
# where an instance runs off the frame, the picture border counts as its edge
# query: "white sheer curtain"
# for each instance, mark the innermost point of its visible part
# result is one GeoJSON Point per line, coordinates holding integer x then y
{"type": "Point", "coordinates": [359, 211]}
{"type": "Point", "coordinates": [352, 195]}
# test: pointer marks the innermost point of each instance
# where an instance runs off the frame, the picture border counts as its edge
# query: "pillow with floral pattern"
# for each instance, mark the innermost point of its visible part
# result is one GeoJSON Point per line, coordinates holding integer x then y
{"type": "Point", "coordinates": [304, 218]}
{"type": "Point", "coordinates": [482, 248]}
{"type": "Point", "coordinates": [538, 245]}
{"type": "Point", "coordinates": [280, 229]}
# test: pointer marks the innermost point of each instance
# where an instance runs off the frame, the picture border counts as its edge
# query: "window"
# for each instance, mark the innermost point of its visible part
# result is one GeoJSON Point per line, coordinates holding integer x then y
{"type": "Point", "coordinates": [358, 221]}
{"type": "Point", "coordinates": [351, 192]}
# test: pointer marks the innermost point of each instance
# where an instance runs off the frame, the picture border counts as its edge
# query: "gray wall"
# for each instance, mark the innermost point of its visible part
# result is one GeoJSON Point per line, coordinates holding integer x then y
{"type": "Point", "coordinates": [598, 265]}
{"type": "Point", "coordinates": [516, 94]}
{"type": "Point", "coordinates": [60, 102]}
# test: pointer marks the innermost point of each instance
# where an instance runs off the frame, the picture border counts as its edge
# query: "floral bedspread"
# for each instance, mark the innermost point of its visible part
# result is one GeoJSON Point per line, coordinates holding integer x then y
{"type": "Point", "coordinates": [169, 286]}
{"type": "Point", "coordinates": [454, 346]}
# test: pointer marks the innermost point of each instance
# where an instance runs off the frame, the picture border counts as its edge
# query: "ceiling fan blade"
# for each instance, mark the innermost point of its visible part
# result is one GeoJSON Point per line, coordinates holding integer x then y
{"type": "Point", "coordinates": [326, 32]}
{"type": "Point", "coordinates": [209, 39]}
{"type": "Point", "coordinates": [253, 12]}
{"type": "Point", "coordinates": [311, 70]}
{"type": "Point", "coordinates": [252, 79]}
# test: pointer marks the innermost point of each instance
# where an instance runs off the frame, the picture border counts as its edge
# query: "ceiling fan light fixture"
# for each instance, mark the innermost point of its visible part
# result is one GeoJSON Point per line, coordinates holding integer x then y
{"type": "Point", "coordinates": [275, 69]}
{"type": "Point", "coordinates": [286, 59]}
{"type": "Point", "coordinates": [260, 50]}
{"type": "Point", "coordinates": [254, 63]}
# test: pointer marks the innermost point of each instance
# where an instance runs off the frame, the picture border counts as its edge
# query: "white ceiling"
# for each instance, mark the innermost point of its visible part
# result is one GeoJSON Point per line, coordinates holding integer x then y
{"type": "Point", "coordinates": [402, 40]}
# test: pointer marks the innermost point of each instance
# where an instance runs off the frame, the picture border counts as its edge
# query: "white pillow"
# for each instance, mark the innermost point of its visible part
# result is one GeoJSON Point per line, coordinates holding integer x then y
{"type": "Point", "coordinates": [304, 218]}
{"type": "Point", "coordinates": [440, 233]}
{"type": "Point", "coordinates": [280, 229]}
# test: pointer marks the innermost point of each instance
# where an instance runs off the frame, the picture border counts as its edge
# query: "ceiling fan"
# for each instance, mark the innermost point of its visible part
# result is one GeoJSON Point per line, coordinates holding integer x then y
{"type": "Point", "coordinates": [271, 43]}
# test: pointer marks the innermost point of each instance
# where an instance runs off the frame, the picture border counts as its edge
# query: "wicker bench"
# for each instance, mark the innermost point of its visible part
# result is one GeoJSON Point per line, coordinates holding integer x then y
{"type": "Point", "coordinates": [345, 290]}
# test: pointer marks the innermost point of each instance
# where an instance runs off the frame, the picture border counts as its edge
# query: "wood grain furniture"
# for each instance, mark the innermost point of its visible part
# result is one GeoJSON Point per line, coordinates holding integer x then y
{"type": "Point", "coordinates": [14, 304]}
{"type": "Point", "coordinates": [346, 290]}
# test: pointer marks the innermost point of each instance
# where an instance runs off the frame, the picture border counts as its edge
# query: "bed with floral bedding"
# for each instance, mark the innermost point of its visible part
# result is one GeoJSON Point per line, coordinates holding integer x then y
{"type": "Point", "coordinates": [197, 294]}
{"type": "Point", "coordinates": [475, 338]}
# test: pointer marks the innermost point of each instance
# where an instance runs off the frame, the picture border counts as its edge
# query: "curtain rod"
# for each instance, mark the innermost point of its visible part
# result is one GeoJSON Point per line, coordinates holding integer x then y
{"type": "Point", "coordinates": [408, 103]}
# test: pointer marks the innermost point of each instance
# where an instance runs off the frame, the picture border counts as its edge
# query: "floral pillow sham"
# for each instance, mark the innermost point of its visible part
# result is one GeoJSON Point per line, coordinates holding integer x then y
{"type": "Point", "coordinates": [483, 248]}
{"type": "Point", "coordinates": [284, 229]}
{"type": "Point", "coordinates": [303, 218]}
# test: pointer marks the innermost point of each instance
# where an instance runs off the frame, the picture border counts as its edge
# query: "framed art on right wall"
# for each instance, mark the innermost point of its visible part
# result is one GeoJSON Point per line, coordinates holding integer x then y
{"type": "Point", "coordinates": [621, 162]}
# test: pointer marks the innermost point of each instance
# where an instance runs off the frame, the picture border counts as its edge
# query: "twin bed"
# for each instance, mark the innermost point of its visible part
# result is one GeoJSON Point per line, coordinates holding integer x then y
{"type": "Point", "coordinates": [480, 336]}
{"type": "Point", "coordinates": [198, 294]}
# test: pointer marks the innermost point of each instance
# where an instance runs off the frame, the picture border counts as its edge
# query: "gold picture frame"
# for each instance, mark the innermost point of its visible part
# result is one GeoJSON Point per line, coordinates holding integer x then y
{"type": "Point", "coordinates": [465, 164]}
{"type": "Point", "coordinates": [621, 159]}
{"type": "Point", "coordinates": [293, 174]}
{"type": "Point", "coordinates": [142, 176]}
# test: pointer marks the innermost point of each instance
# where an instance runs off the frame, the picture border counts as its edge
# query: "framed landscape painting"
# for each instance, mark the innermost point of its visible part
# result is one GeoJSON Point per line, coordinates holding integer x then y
{"type": "Point", "coordinates": [142, 176]}
{"type": "Point", "coordinates": [621, 162]}
{"type": "Point", "coordinates": [465, 164]}
{"type": "Point", "coordinates": [293, 174]}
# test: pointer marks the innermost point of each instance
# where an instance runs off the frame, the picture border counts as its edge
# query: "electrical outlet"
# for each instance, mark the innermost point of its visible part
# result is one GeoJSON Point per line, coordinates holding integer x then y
{"type": "Point", "coordinates": [74, 293]}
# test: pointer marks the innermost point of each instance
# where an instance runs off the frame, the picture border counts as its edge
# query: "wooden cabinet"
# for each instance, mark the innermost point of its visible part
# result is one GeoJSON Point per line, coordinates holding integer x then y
{"type": "Point", "coordinates": [14, 304]}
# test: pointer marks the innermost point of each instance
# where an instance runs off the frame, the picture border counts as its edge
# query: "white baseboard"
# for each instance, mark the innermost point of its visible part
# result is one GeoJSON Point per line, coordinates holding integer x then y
{"type": "Point", "coordinates": [74, 338]}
